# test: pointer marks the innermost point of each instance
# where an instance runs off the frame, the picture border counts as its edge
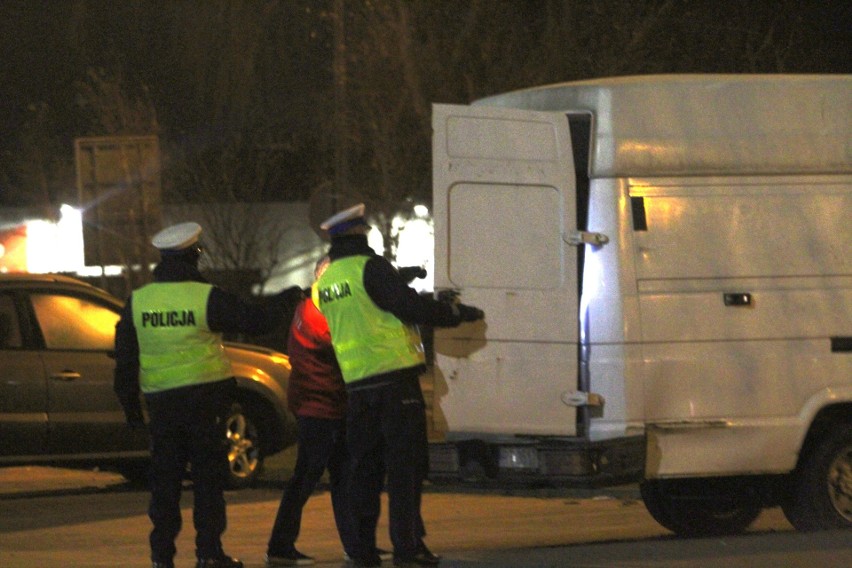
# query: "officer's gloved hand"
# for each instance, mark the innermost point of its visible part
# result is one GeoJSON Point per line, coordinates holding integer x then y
{"type": "Point", "coordinates": [469, 313]}
{"type": "Point", "coordinates": [134, 417]}
{"type": "Point", "coordinates": [409, 273]}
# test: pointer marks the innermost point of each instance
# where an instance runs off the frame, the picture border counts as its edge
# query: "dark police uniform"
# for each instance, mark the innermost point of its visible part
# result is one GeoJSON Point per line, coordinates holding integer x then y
{"type": "Point", "coordinates": [168, 344]}
{"type": "Point", "coordinates": [373, 314]}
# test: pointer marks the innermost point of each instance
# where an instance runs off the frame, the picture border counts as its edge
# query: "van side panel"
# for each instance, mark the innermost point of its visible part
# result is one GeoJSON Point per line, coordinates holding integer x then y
{"type": "Point", "coordinates": [715, 124]}
{"type": "Point", "coordinates": [743, 228]}
{"type": "Point", "coordinates": [741, 288]}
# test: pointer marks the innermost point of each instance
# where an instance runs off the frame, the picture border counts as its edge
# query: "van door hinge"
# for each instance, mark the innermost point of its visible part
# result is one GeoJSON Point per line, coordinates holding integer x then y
{"type": "Point", "coordinates": [582, 398]}
{"type": "Point", "coordinates": [585, 238]}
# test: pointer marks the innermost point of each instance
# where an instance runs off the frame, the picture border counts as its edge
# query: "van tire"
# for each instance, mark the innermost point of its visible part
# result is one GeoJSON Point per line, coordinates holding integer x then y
{"type": "Point", "coordinates": [655, 504]}
{"type": "Point", "coordinates": [696, 508]}
{"type": "Point", "coordinates": [820, 491]}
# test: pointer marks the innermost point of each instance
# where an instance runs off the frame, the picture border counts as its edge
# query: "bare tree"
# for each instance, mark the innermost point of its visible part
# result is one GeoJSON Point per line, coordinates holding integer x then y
{"type": "Point", "coordinates": [388, 113]}
{"type": "Point", "coordinates": [220, 67]}
{"type": "Point", "coordinates": [41, 173]}
{"type": "Point", "coordinates": [402, 56]}
{"type": "Point", "coordinates": [232, 152]}
{"type": "Point", "coordinates": [114, 106]}
{"type": "Point", "coordinates": [222, 187]}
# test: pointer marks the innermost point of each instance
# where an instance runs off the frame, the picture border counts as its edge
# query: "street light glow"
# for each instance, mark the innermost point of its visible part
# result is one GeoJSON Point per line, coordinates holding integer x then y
{"type": "Point", "coordinates": [56, 247]}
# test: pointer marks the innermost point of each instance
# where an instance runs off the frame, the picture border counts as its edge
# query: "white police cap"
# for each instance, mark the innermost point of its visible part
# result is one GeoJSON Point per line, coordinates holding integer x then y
{"type": "Point", "coordinates": [346, 219]}
{"type": "Point", "coordinates": [177, 237]}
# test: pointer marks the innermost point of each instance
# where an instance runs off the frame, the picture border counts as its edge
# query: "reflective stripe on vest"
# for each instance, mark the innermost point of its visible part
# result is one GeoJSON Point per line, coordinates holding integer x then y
{"type": "Point", "coordinates": [367, 340]}
{"type": "Point", "coordinates": [176, 347]}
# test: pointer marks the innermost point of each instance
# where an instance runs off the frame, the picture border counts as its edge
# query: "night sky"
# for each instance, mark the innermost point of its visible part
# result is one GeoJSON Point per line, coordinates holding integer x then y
{"type": "Point", "coordinates": [177, 50]}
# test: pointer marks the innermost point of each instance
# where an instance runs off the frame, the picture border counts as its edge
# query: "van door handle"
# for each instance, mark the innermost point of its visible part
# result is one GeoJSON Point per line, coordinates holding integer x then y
{"type": "Point", "coordinates": [737, 299]}
{"type": "Point", "coordinates": [65, 376]}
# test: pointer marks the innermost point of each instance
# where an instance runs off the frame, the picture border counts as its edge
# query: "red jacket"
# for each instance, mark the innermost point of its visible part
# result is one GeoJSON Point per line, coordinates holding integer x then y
{"type": "Point", "coordinates": [316, 385]}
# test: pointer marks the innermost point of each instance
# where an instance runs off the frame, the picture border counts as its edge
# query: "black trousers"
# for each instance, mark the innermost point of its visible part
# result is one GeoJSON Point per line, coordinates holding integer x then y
{"type": "Point", "coordinates": [386, 429]}
{"type": "Point", "coordinates": [187, 427]}
{"type": "Point", "coordinates": [321, 446]}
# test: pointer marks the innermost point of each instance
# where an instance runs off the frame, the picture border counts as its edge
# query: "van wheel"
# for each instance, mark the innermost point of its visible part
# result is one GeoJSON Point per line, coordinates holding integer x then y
{"type": "Point", "coordinates": [700, 507]}
{"type": "Point", "coordinates": [820, 495]}
{"type": "Point", "coordinates": [245, 459]}
{"type": "Point", "coordinates": [656, 504]}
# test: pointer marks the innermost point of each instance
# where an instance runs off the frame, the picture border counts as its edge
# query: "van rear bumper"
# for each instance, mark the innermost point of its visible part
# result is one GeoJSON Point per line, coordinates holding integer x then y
{"type": "Point", "coordinates": [551, 460]}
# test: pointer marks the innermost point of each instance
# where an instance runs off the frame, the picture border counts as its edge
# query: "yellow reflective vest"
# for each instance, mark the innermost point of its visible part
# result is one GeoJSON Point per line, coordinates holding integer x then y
{"type": "Point", "coordinates": [176, 346]}
{"type": "Point", "coordinates": [367, 340]}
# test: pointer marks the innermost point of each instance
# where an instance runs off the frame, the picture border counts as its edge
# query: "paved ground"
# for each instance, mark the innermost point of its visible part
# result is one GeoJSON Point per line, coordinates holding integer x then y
{"type": "Point", "coordinates": [86, 518]}
{"type": "Point", "coordinates": [52, 518]}
{"type": "Point", "coordinates": [39, 480]}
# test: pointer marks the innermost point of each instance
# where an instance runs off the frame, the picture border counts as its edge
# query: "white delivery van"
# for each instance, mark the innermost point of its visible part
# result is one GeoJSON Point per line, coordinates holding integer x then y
{"type": "Point", "coordinates": [665, 264]}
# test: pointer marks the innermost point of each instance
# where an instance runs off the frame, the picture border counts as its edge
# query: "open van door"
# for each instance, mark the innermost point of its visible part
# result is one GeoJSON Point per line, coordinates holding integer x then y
{"type": "Point", "coordinates": [504, 204]}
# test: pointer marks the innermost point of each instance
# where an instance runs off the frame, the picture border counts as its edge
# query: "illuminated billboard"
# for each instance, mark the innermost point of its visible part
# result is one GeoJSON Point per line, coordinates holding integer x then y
{"type": "Point", "coordinates": [118, 184]}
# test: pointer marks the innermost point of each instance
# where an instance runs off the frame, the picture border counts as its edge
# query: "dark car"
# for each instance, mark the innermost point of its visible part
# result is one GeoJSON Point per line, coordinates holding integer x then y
{"type": "Point", "coordinates": [57, 403]}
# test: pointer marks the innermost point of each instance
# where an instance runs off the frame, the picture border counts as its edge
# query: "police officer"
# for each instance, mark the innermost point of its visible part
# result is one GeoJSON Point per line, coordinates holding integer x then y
{"type": "Point", "coordinates": [168, 342]}
{"type": "Point", "coordinates": [317, 398]}
{"type": "Point", "coordinates": [373, 314]}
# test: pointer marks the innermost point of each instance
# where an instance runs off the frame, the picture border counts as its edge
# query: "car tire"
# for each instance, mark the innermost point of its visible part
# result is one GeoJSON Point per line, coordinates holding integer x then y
{"type": "Point", "coordinates": [245, 455]}
{"type": "Point", "coordinates": [820, 491]}
{"type": "Point", "coordinates": [696, 508]}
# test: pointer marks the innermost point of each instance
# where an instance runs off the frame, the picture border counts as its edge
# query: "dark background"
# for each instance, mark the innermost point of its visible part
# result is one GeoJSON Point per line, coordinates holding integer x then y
{"type": "Point", "coordinates": [259, 100]}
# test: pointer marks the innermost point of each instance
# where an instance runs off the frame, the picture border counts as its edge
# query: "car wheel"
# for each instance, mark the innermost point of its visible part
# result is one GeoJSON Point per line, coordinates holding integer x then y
{"type": "Point", "coordinates": [699, 507]}
{"type": "Point", "coordinates": [820, 495]}
{"type": "Point", "coordinates": [245, 459]}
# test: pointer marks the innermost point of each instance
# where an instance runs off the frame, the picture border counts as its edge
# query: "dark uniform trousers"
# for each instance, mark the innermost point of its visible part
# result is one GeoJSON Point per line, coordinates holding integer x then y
{"type": "Point", "coordinates": [321, 446]}
{"type": "Point", "coordinates": [386, 427]}
{"type": "Point", "coordinates": [187, 425]}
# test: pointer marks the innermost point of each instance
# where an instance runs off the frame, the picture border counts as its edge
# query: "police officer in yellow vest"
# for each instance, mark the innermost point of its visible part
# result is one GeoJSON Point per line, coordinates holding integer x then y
{"type": "Point", "coordinates": [372, 315]}
{"type": "Point", "coordinates": [168, 343]}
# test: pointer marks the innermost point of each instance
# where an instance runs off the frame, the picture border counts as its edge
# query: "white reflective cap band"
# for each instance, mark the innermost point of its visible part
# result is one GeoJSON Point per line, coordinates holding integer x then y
{"type": "Point", "coordinates": [177, 237]}
{"type": "Point", "coordinates": [354, 212]}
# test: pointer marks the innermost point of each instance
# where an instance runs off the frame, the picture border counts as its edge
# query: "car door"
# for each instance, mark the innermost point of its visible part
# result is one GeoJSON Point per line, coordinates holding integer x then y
{"type": "Point", "coordinates": [23, 388]}
{"type": "Point", "coordinates": [84, 414]}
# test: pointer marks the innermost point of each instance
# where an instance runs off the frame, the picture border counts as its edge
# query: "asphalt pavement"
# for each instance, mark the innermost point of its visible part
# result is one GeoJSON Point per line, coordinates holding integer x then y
{"type": "Point", "coordinates": [87, 518]}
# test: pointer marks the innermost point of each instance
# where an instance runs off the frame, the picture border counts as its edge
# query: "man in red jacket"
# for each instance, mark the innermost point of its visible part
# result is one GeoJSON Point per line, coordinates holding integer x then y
{"type": "Point", "coordinates": [317, 397]}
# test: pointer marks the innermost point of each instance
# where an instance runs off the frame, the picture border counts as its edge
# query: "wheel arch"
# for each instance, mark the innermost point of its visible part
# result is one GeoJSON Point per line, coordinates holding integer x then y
{"type": "Point", "coordinates": [275, 422]}
{"type": "Point", "coordinates": [827, 418]}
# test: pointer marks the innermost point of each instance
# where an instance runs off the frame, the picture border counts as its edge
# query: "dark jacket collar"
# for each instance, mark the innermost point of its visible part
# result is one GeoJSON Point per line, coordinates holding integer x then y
{"type": "Point", "coordinates": [349, 245]}
{"type": "Point", "coordinates": [175, 269]}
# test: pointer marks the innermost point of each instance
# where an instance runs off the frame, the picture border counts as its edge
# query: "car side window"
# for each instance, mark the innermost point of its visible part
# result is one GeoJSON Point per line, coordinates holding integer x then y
{"type": "Point", "coordinates": [72, 322]}
{"type": "Point", "coordinates": [10, 328]}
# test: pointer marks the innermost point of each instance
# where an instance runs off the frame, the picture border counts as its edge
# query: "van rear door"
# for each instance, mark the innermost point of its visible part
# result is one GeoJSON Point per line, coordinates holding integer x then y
{"type": "Point", "coordinates": [504, 203]}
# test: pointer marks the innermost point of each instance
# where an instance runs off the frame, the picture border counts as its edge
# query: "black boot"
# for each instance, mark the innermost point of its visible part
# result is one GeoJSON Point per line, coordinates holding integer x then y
{"type": "Point", "coordinates": [424, 557]}
{"type": "Point", "coordinates": [221, 562]}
